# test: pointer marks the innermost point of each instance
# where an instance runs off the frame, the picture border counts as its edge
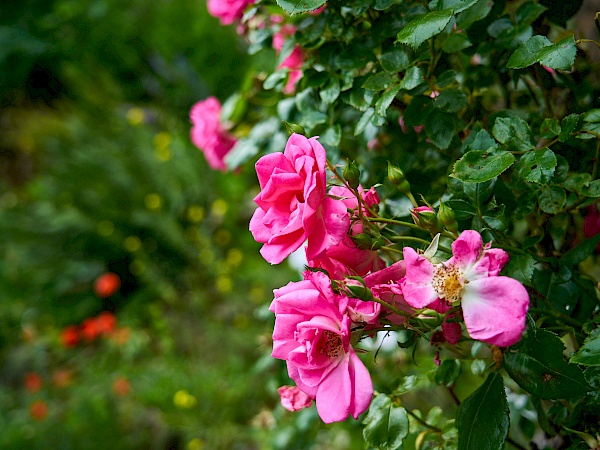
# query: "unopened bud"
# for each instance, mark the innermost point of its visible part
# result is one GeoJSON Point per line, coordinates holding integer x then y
{"type": "Point", "coordinates": [292, 128]}
{"type": "Point", "coordinates": [358, 289]}
{"type": "Point", "coordinates": [446, 215]}
{"type": "Point", "coordinates": [429, 319]}
{"type": "Point", "coordinates": [398, 179]}
{"type": "Point", "coordinates": [362, 240]}
{"type": "Point", "coordinates": [352, 174]}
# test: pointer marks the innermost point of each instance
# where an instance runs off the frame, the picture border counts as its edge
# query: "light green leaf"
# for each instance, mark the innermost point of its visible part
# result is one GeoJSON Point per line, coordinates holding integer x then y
{"type": "Point", "coordinates": [483, 417]}
{"type": "Point", "coordinates": [424, 27]}
{"type": "Point", "coordinates": [386, 100]}
{"type": "Point", "coordinates": [537, 166]}
{"type": "Point", "coordinates": [412, 78]}
{"type": "Point", "coordinates": [364, 121]}
{"type": "Point", "coordinates": [331, 91]}
{"type": "Point", "coordinates": [477, 166]}
{"type": "Point", "coordinates": [299, 6]}
{"type": "Point", "coordinates": [457, 5]}
{"type": "Point", "coordinates": [386, 424]}
{"type": "Point", "coordinates": [380, 81]}
{"type": "Point", "coordinates": [560, 55]}
{"type": "Point", "coordinates": [589, 353]}
{"type": "Point", "coordinates": [527, 53]}
{"type": "Point", "coordinates": [593, 115]}
{"type": "Point", "coordinates": [513, 132]}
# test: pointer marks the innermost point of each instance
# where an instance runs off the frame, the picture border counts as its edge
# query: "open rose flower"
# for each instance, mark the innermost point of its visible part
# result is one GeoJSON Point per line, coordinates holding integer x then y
{"type": "Point", "coordinates": [227, 11]}
{"type": "Point", "coordinates": [208, 134]}
{"type": "Point", "coordinates": [494, 307]}
{"type": "Point", "coordinates": [293, 205]}
{"type": "Point", "coordinates": [312, 334]}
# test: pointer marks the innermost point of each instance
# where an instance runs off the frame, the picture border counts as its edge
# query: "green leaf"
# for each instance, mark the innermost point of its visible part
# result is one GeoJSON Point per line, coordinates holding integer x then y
{"type": "Point", "coordinates": [451, 100]}
{"type": "Point", "coordinates": [313, 118]}
{"type": "Point", "coordinates": [395, 60]}
{"type": "Point", "coordinates": [528, 12]}
{"type": "Point", "coordinates": [483, 417]}
{"type": "Point", "coordinates": [455, 43]}
{"type": "Point", "coordinates": [589, 353]}
{"type": "Point", "coordinates": [412, 78]}
{"type": "Point", "coordinates": [330, 92]}
{"type": "Point", "coordinates": [386, 100]}
{"type": "Point", "coordinates": [527, 53]}
{"type": "Point", "coordinates": [456, 5]}
{"type": "Point", "coordinates": [537, 166]}
{"type": "Point", "coordinates": [275, 79]}
{"type": "Point", "coordinates": [593, 115]}
{"type": "Point", "coordinates": [477, 166]}
{"type": "Point", "coordinates": [580, 251]}
{"type": "Point", "coordinates": [550, 128]}
{"type": "Point", "coordinates": [480, 140]}
{"type": "Point", "coordinates": [424, 27]}
{"type": "Point", "coordinates": [332, 136]}
{"type": "Point", "coordinates": [576, 181]}
{"type": "Point", "coordinates": [513, 132]}
{"type": "Point", "coordinates": [386, 424]}
{"type": "Point", "coordinates": [560, 55]}
{"type": "Point", "coordinates": [439, 127]}
{"type": "Point", "coordinates": [591, 189]}
{"type": "Point", "coordinates": [364, 121]}
{"type": "Point", "coordinates": [520, 267]}
{"type": "Point", "coordinates": [477, 12]}
{"type": "Point", "coordinates": [540, 368]}
{"type": "Point", "coordinates": [479, 193]}
{"type": "Point", "coordinates": [447, 372]}
{"type": "Point", "coordinates": [380, 81]}
{"type": "Point", "coordinates": [299, 6]}
{"type": "Point", "coordinates": [568, 125]}
{"type": "Point", "coordinates": [552, 199]}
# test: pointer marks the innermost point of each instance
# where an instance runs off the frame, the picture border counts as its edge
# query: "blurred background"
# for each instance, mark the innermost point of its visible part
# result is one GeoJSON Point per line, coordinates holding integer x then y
{"type": "Point", "coordinates": [134, 300]}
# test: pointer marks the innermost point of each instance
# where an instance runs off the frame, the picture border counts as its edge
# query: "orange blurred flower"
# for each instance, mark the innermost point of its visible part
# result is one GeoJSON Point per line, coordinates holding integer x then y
{"type": "Point", "coordinates": [38, 410]}
{"type": "Point", "coordinates": [107, 284]}
{"type": "Point", "coordinates": [69, 336]}
{"type": "Point", "coordinates": [121, 386]}
{"type": "Point", "coordinates": [33, 382]}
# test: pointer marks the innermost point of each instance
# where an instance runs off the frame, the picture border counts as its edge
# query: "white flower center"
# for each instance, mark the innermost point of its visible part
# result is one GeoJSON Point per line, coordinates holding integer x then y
{"type": "Point", "coordinates": [448, 282]}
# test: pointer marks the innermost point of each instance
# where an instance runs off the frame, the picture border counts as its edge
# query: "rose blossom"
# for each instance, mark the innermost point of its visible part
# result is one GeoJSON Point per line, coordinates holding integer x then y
{"type": "Point", "coordinates": [293, 205]}
{"type": "Point", "coordinates": [312, 334]}
{"type": "Point", "coordinates": [208, 134]}
{"type": "Point", "coordinates": [346, 258]}
{"type": "Point", "coordinates": [293, 399]}
{"type": "Point", "coordinates": [494, 307]}
{"type": "Point", "coordinates": [293, 62]}
{"type": "Point", "coordinates": [227, 11]}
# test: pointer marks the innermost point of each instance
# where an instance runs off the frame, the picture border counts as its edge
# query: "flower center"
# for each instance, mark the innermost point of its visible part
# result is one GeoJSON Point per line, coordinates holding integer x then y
{"type": "Point", "coordinates": [447, 282]}
{"type": "Point", "coordinates": [330, 344]}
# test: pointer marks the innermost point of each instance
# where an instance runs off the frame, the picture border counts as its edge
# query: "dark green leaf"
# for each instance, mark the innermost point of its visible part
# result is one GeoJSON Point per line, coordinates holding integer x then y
{"type": "Point", "coordinates": [593, 115]}
{"type": "Point", "coordinates": [330, 92]}
{"type": "Point", "coordinates": [380, 81]}
{"type": "Point", "coordinates": [528, 12]}
{"type": "Point", "coordinates": [299, 6]}
{"type": "Point", "coordinates": [424, 27]}
{"type": "Point", "coordinates": [416, 113]}
{"type": "Point", "coordinates": [462, 210]}
{"type": "Point", "coordinates": [537, 166]}
{"type": "Point", "coordinates": [540, 368]}
{"type": "Point", "coordinates": [412, 78]}
{"type": "Point", "coordinates": [520, 267]}
{"type": "Point", "coordinates": [513, 132]}
{"type": "Point", "coordinates": [477, 12]}
{"type": "Point", "coordinates": [447, 372]}
{"type": "Point", "coordinates": [580, 251]}
{"type": "Point", "coordinates": [477, 166]}
{"type": "Point", "coordinates": [568, 125]}
{"type": "Point", "coordinates": [589, 353]}
{"type": "Point", "coordinates": [480, 140]}
{"type": "Point", "coordinates": [451, 100]}
{"type": "Point", "coordinates": [527, 53]}
{"type": "Point", "coordinates": [483, 417]}
{"type": "Point", "coordinates": [552, 199]}
{"type": "Point", "coordinates": [591, 189]}
{"type": "Point", "coordinates": [395, 60]}
{"type": "Point", "coordinates": [560, 55]}
{"type": "Point", "coordinates": [439, 128]}
{"type": "Point", "coordinates": [456, 5]}
{"type": "Point", "coordinates": [575, 182]}
{"type": "Point", "coordinates": [456, 42]}
{"type": "Point", "coordinates": [479, 193]}
{"type": "Point", "coordinates": [550, 128]}
{"type": "Point", "coordinates": [386, 100]}
{"type": "Point", "coordinates": [386, 424]}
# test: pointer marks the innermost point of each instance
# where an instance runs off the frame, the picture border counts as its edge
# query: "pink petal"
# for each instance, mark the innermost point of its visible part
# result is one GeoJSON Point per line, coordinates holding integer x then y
{"type": "Point", "coordinates": [466, 249]}
{"type": "Point", "coordinates": [494, 310]}
{"type": "Point", "coordinates": [416, 287]}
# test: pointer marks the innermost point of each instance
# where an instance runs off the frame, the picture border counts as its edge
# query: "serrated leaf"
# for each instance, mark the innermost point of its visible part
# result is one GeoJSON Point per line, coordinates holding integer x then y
{"type": "Point", "coordinates": [330, 92]}
{"type": "Point", "coordinates": [480, 140]}
{"type": "Point", "coordinates": [552, 199]}
{"type": "Point", "coordinates": [513, 132]}
{"type": "Point", "coordinates": [568, 125]}
{"type": "Point", "coordinates": [386, 424]}
{"type": "Point", "coordinates": [576, 181]}
{"type": "Point", "coordinates": [560, 55]}
{"type": "Point", "coordinates": [299, 6]}
{"type": "Point", "coordinates": [537, 166]}
{"type": "Point", "coordinates": [520, 267]}
{"type": "Point", "coordinates": [439, 127]}
{"type": "Point", "coordinates": [424, 27]}
{"type": "Point", "coordinates": [539, 368]}
{"type": "Point", "coordinates": [395, 60]}
{"type": "Point", "coordinates": [527, 53]}
{"type": "Point", "coordinates": [483, 417]}
{"type": "Point", "coordinates": [386, 100]}
{"type": "Point", "coordinates": [412, 78]}
{"type": "Point", "coordinates": [479, 193]}
{"type": "Point", "coordinates": [364, 121]}
{"type": "Point", "coordinates": [589, 353]}
{"type": "Point", "coordinates": [591, 189]}
{"type": "Point", "coordinates": [550, 128]}
{"type": "Point", "coordinates": [477, 166]}
{"type": "Point", "coordinates": [380, 81]}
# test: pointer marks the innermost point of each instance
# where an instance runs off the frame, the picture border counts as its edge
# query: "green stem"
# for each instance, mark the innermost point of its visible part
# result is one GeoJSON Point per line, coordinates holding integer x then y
{"type": "Point", "coordinates": [580, 41]}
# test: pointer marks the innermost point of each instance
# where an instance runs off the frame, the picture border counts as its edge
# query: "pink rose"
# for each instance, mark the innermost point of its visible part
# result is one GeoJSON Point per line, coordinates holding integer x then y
{"type": "Point", "coordinates": [227, 11]}
{"type": "Point", "coordinates": [293, 205]}
{"type": "Point", "coordinates": [346, 258]}
{"type": "Point", "coordinates": [293, 62]}
{"type": "Point", "coordinates": [293, 399]}
{"type": "Point", "coordinates": [494, 307]}
{"type": "Point", "coordinates": [384, 285]}
{"type": "Point", "coordinates": [207, 133]}
{"type": "Point", "coordinates": [312, 334]}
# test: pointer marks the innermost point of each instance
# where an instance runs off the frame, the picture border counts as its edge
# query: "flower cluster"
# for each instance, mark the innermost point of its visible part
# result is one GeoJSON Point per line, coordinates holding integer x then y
{"type": "Point", "coordinates": [349, 291]}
